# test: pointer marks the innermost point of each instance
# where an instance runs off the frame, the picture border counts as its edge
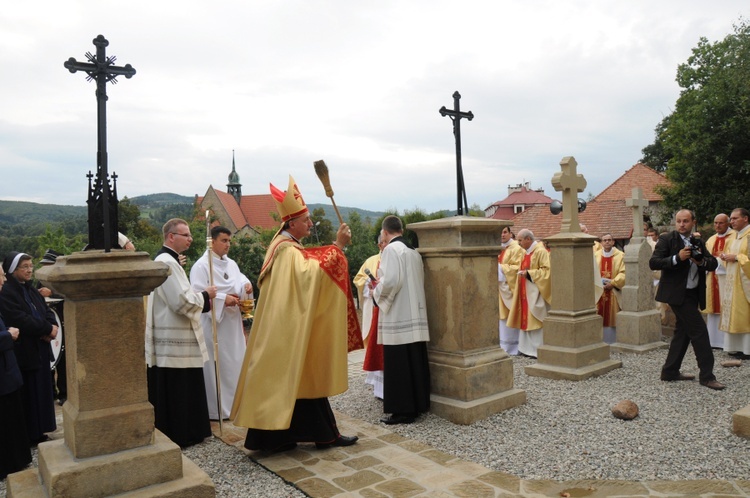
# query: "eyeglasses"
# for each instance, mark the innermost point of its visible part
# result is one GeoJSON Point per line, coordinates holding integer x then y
{"type": "Point", "coordinates": [183, 234]}
{"type": "Point", "coordinates": [26, 267]}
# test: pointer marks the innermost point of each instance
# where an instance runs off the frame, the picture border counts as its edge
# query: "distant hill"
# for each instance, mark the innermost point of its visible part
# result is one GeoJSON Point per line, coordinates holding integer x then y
{"type": "Point", "coordinates": [32, 214]}
{"type": "Point", "coordinates": [158, 200]}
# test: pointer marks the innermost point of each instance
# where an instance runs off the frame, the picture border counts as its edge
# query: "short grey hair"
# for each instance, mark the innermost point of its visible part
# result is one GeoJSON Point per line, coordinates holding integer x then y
{"type": "Point", "coordinates": [525, 233]}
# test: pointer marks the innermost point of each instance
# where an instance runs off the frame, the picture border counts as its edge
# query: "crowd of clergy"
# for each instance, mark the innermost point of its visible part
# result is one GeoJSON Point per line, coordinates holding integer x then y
{"type": "Point", "coordinates": [276, 381]}
{"type": "Point", "coordinates": [524, 286]}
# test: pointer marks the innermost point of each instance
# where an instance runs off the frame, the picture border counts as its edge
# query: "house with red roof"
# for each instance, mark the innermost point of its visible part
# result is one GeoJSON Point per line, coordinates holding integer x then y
{"type": "Point", "coordinates": [242, 214]}
{"type": "Point", "coordinates": [607, 212]}
{"type": "Point", "coordinates": [520, 198]}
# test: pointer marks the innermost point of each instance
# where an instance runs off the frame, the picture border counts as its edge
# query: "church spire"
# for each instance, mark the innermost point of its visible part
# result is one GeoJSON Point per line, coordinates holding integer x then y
{"type": "Point", "coordinates": [234, 187]}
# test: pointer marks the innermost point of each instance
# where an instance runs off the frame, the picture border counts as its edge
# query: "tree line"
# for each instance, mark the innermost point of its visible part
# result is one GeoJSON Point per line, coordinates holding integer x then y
{"type": "Point", "coordinates": [703, 146]}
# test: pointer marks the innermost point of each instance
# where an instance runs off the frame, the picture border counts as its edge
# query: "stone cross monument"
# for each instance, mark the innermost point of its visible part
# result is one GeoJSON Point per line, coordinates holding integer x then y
{"type": "Point", "coordinates": [638, 323]}
{"type": "Point", "coordinates": [637, 203]}
{"type": "Point", "coordinates": [573, 347]}
{"type": "Point", "coordinates": [570, 183]}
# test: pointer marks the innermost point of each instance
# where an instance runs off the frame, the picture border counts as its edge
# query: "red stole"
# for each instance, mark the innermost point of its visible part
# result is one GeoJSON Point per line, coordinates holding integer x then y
{"type": "Point", "coordinates": [525, 265]}
{"type": "Point", "coordinates": [715, 297]}
{"type": "Point", "coordinates": [603, 308]}
{"type": "Point", "coordinates": [374, 352]}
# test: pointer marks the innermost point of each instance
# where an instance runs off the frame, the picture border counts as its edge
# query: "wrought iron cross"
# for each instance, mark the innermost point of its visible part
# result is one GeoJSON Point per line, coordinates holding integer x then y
{"type": "Point", "coordinates": [637, 203]}
{"type": "Point", "coordinates": [102, 198]}
{"type": "Point", "coordinates": [570, 183]}
{"type": "Point", "coordinates": [456, 114]}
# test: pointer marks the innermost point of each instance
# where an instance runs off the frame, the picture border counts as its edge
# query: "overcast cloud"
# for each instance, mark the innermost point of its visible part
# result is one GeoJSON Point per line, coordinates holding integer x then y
{"type": "Point", "coordinates": [358, 84]}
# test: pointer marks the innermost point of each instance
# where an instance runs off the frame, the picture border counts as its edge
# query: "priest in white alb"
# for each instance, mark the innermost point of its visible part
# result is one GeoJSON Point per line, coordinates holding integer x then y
{"type": "Point", "coordinates": [611, 264]}
{"type": "Point", "coordinates": [715, 280]}
{"type": "Point", "coordinates": [230, 284]}
{"type": "Point", "coordinates": [531, 300]}
{"type": "Point", "coordinates": [508, 264]}
{"type": "Point", "coordinates": [735, 297]}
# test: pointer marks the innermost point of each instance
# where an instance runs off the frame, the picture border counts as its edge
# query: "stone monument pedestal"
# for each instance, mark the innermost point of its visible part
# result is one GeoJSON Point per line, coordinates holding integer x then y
{"type": "Point", "coordinates": [639, 323]}
{"type": "Point", "coordinates": [573, 347]}
{"type": "Point", "coordinates": [110, 445]}
{"type": "Point", "coordinates": [471, 376]}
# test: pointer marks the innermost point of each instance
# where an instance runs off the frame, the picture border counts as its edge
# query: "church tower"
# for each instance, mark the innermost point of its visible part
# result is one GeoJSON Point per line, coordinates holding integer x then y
{"type": "Point", "coordinates": [234, 187]}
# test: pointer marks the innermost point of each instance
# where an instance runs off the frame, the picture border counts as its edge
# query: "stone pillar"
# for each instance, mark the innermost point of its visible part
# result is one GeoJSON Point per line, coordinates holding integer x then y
{"type": "Point", "coordinates": [471, 376]}
{"type": "Point", "coordinates": [573, 347]}
{"type": "Point", "coordinates": [638, 323]}
{"type": "Point", "coordinates": [110, 445]}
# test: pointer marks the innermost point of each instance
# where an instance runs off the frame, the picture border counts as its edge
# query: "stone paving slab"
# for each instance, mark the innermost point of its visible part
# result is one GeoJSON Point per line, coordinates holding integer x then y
{"type": "Point", "coordinates": [387, 465]}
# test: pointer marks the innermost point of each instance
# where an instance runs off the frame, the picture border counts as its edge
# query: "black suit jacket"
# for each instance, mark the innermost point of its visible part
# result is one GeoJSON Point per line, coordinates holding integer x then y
{"type": "Point", "coordinates": [673, 282]}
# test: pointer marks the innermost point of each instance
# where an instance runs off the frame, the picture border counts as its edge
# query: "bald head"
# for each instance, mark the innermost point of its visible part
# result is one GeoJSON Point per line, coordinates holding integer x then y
{"type": "Point", "coordinates": [721, 223]}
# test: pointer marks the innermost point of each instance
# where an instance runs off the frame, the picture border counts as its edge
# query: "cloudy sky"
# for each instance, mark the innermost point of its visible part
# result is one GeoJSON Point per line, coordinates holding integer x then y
{"type": "Point", "coordinates": [358, 84]}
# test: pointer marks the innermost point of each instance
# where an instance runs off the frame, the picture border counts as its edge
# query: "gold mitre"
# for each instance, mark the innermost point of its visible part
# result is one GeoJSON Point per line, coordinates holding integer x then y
{"type": "Point", "coordinates": [289, 204]}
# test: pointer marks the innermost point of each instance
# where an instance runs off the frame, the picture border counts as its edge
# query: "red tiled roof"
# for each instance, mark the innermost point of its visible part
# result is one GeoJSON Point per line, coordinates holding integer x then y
{"type": "Point", "coordinates": [599, 217]}
{"type": "Point", "coordinates": [639, 175]}
{"type": "Point", "coordinates": [504, 213]}
{"type": "Point", "coordinates": [254, 210]}
{"type": "Point", "coordinates": [257, 210]}
{"type": "Point", "coordinates": [232, 208]}
{"type": "Point", "coordinates": [525, 196]}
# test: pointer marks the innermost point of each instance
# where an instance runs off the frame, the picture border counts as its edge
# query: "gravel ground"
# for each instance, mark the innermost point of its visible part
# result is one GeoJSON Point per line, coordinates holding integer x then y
{"type": "Point", "coordinates": [565, 430]}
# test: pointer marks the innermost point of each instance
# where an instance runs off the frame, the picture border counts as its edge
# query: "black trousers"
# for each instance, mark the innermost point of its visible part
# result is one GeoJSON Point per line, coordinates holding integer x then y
{"type": "Point", "coordinates": [690, 329]}
{"type": "Point", "coordinates": [406, 379]}
{"type": "Point", "coordinates": [312, 422]}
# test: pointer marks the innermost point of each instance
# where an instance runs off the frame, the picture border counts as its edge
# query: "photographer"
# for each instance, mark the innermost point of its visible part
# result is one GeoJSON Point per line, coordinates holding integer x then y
{"type": "Point", "coordinates": [684, 261]}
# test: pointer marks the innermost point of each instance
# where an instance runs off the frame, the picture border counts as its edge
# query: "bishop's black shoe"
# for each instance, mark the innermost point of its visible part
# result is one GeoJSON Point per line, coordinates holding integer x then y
{"type": "Point", "coordinates": [339, 441]}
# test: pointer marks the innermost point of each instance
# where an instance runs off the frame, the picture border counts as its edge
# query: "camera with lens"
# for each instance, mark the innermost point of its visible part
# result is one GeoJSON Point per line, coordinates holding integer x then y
{"type": "Point", "coordinates": [696, 249]}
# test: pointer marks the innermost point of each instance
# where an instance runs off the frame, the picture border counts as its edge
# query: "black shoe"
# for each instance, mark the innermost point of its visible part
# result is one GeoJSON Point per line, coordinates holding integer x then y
{"type": "Point", "coordinates": [283, 447]}
{"type": "Point", "coordinates": [61, 400]}
{"type": "Point", "coordinates": [680, 376]}
{"type": "Point", "coordinates": [739, 355]}
{"type": "Point", "coordinates": [339, 441]}
{"type": "Point", "coordinates": [398, 419]}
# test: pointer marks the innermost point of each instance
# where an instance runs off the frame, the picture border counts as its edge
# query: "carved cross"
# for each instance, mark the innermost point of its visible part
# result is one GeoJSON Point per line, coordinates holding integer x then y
{"type": "Point", "coordinates": [637, 203]}
{"type": "Point", "coordinates": [456, 114]}
{"type": "Point", "coordinates": [570, 183]}
{"type": "Point", "coordinates": [102, 207]}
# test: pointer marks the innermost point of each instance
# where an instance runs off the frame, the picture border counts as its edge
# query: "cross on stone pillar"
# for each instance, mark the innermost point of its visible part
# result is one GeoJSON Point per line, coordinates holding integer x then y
{"type": "Point", "coordinates": [456, 114]}
{"type": "Point", "coordinates": [637, 203]}
{"type": "Point", "coordinates": [570, 183]}
{"type": "Point", "coordinates": [102, 205]}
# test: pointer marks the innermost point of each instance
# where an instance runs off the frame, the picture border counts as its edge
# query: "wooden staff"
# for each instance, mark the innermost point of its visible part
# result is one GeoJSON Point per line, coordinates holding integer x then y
{"type": "Point", "coordinates": [210, 250]}
{"type": "Point", "coordinates": [322, 171]}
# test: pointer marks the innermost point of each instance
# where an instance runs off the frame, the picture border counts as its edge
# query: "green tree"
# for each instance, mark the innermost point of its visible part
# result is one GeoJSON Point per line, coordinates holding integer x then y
{"type": "Point", "coordinates": [363, 243]}
{"type": "Point", "coordinates": [58, 241]}
{"type": "Point", "coordinates": [705, 142]}
{"type": "Point", "coordinates": [322, 232]}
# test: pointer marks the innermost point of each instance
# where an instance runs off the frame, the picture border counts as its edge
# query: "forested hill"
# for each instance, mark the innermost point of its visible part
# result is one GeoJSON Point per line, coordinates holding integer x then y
{"type": "Point", "coordinates": [31, 219]}
{"type": "Point", "coordinates": [31, 213]}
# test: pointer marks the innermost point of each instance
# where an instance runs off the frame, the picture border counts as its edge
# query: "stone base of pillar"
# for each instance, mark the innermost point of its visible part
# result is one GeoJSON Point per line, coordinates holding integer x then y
{"type": "Point", "coordinates": [468, 412]}
{"type": "Point", "coordinates": [741, 422]}
{"type": "Point", "coordinates": [470, 386]}
{"type": "Point", "coordinates": [573, 348]}
{"type": "Point", "coordinates": [638, 332]}
{"type": "Point", "coordinates": [558, 372]}
{"type": "Point", "coordinates": [157, 469]}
